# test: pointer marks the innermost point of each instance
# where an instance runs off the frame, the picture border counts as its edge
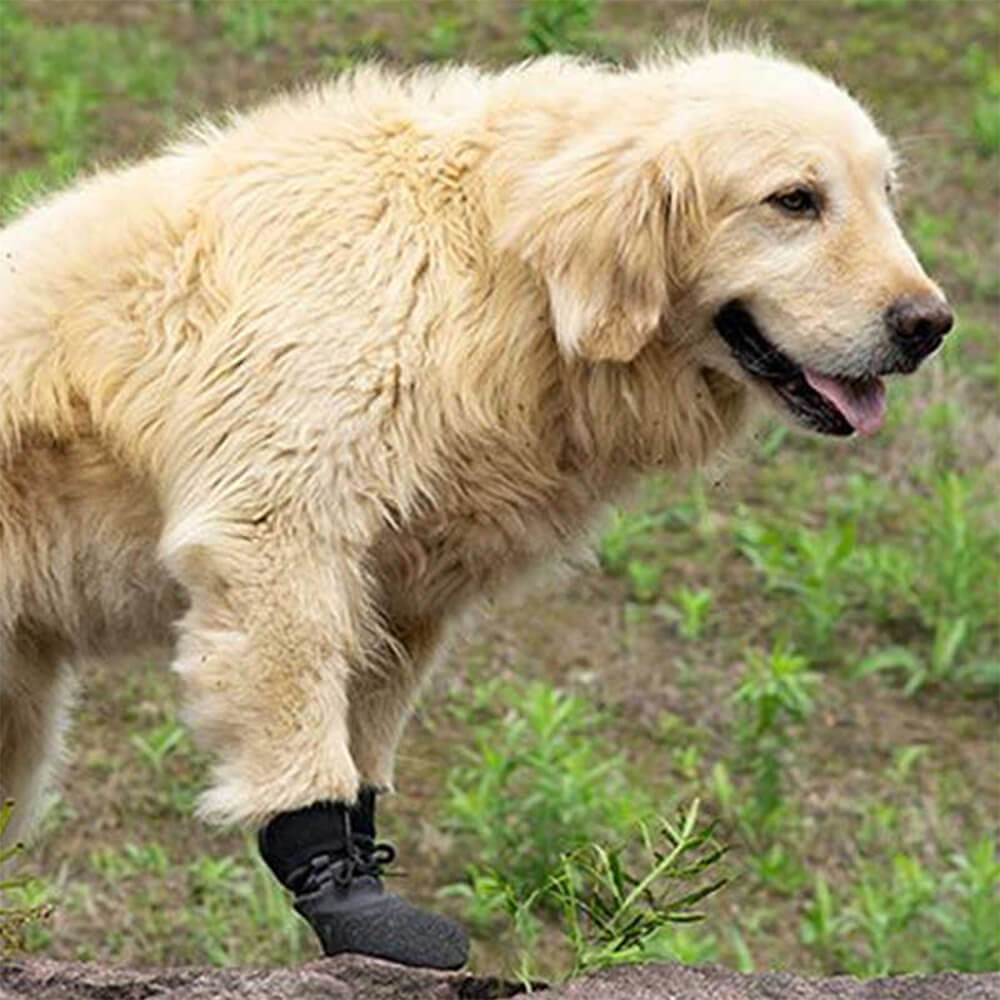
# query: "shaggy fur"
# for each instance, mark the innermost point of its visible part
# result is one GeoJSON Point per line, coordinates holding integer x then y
{"type": "Point", "coordinates": [293, 394]}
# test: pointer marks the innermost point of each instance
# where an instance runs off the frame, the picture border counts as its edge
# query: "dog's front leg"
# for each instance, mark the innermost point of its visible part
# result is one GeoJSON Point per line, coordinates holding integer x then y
{"type": "Point", "coordinates": [279, 622]}
{"type": "Point", "coordinates": [276, 624]}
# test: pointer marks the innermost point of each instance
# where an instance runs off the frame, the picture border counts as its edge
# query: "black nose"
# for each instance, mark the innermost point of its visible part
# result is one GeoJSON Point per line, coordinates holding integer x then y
{"type": "Point", "coordinates": [917, 323]}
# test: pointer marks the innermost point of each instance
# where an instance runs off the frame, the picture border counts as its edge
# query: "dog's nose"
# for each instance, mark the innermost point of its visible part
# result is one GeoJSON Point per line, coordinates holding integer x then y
{"type": "Point", "coordinates": [917, 323]}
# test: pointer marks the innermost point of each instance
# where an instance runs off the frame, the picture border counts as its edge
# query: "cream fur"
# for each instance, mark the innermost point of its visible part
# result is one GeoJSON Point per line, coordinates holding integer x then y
{"type": "Point", "coordinates": [301, 389]}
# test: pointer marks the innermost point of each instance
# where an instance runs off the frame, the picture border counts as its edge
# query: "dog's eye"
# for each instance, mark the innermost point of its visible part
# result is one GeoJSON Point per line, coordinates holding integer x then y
{"type": "Point", "coordinates": [801, 201]}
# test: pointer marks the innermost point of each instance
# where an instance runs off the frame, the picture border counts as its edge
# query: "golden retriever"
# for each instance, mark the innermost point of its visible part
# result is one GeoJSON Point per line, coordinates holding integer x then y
{"type": "Point", "coordinates": [294, 393]}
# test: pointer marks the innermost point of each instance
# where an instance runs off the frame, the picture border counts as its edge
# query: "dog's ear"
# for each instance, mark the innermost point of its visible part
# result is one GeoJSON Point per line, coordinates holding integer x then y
{"type": "Point", "coordinates": [596, 222]}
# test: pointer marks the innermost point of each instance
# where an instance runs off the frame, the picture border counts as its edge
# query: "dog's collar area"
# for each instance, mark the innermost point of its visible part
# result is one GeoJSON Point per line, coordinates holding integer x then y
{"type": "Point", "coordinates": [763, 360]}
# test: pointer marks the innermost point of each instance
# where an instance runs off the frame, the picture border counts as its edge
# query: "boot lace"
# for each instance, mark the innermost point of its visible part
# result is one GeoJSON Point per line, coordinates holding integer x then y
{"type": "Point", "coordinates": [363, 858]}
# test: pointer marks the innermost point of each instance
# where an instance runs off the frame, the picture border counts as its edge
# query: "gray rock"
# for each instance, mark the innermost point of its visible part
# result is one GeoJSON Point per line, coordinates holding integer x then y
{"type": "Point", "coordinates": [351, 977]}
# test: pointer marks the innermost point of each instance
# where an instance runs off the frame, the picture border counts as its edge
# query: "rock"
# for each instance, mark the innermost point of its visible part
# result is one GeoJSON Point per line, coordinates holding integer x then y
{"type": "Point", "coordinates": [680, 982]}
{"type": "Point", "coordinates": [351, 977]}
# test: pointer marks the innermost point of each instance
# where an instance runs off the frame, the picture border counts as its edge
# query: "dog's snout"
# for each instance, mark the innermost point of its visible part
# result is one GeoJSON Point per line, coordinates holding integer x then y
{"type": "Point", "coordinates": [917, 324]}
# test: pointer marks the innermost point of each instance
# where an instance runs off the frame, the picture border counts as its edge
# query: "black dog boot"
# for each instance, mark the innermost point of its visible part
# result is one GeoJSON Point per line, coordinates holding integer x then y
{"type": "Point", "coordinates": [327, 855]}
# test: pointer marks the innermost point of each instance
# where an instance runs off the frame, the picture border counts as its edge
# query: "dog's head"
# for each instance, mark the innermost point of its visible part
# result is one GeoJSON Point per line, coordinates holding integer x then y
{"type": "Point", "coordinates": [744, 205]}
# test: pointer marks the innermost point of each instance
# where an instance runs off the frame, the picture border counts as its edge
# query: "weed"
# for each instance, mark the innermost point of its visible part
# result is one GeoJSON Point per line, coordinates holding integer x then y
{"type": "Point", "coordinates": [776, 867]}
{"type": "Point", "coordinates": [644, 580]}
{"type": "Point", "coordinates": [951, 590]}
{"type": "Point", "coordinates": [54, 82]}
{"type": "Point", "coordinates": [694, 606]}
{"type": "Point", "coordinates": [984, 71]}
{"type": "Point", "coordinates": [905, 760]}
{"type": "Point", "coordinates": [627, 539]}
{"type": "Point", "coordinates": [822, 924]}
{"type": "Point", "coordinates": [776, 691]}
{"type": "Point", "coordinates": [929, 234]}
{"type": "Point", "coordinates": [444, 38]}
{"type": "Point", "coordinates": [255, 24]}
{"type": "Point", "coordinates": [967, 911]}
{"type": "Point", "coordinates": [28, 907]}
{"type": "Point", "coordinates": [159, 744]}
{"type": "Point", "coordinates": [908, 916]}
{"type": "Point", "coordinates": [536, 785]}
{"type": "Point", "coordinates": [944, 584]}
{"type": "Point", "coordinates": [687, 761]}
{"type": "Point", "coordinates": [616, 905]}
{"type": "Point", "coordinates": [808, 564]}
{"type": "Point", "coordinates": [249, 23]}
{"type": "Point", "coordinates": [882, 910]}
{"type": "Point", "coordinates": [611, 914]}
{"type": "Point", "coordinates": [557, 25]}
{"type": "Point", "coordinates": [878, 4]}
{"type": "Point", "coordinates": [940, 665]}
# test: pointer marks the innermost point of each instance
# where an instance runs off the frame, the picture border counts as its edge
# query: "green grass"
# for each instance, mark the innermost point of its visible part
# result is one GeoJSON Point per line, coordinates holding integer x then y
{"type": "Point", "coordinates": [54, 84]}
{"type": "Point", "coordinates": [557, 25]}
{"type": "Point", "coordinates": [984, 71]}
{"type": "Point", "coordinates": [893, 919]}
{"type": "Point", "coordinates": [24, 909]}
{"type": "Point", "coordinates": [534, 784]}
{"type": "Point", "coordinates": [558, 833]}
{"type": "Point", "coordinates": [805, 641]}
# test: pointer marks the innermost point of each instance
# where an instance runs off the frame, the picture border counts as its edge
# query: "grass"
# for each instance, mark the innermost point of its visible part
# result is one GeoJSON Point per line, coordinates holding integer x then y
{"type": "Point", "coordinates": [805, 641]}
{"type": "Point", "coordinates": [881, 922]}
{"type": "Point", "coordinates": [558, 833]}
{"type": "Point", "coordinates": [534, 785]}
{"type": "Point", "coordinates": [557, 25]}
{"type": "Point", "coordinates": [23, 914]}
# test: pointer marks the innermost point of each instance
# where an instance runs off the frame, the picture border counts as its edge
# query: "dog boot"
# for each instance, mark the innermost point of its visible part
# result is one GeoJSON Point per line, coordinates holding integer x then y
{"type": "Point", "coordinates": [327, 855]}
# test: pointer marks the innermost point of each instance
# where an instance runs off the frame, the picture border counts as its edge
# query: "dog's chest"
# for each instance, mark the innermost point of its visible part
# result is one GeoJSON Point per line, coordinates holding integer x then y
{"type": "Point", "coordinates": [480, 538]}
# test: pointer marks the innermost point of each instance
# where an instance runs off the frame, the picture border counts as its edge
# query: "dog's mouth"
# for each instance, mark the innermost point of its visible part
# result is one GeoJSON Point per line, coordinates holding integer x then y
{"type": "Point", "coordinates": [829, 404]}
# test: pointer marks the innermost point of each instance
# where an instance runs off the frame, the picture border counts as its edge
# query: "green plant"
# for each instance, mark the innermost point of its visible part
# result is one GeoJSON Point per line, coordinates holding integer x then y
{"type": "Point", "coordinates": [444, 38]}
{"type": "Point", "coordinates": [611, 914]}
{"type": "Point", "coordinates": [950, 588]}
{"type": "Point", "coordinates": [941, 664]}
{"type": "Point", "coordinates": [822, 924]}
{"type": "Point", "coordinates": [556, 25]}
{"type": "Point", "coordinates": [159, 743]}
{"type": "Point", "coordinates": [55, 81]}
{"type": "Point", "coordinates": [908, 916]}
{"type": "Point", "coordinates": [249, 23]}
{"type": "Point", "coordinates": [118, 864]}
{"type": "Point", "coordinates": [885, 908]}
{"type": "Point", "coordinates": [616, 905]}
{"type": "Point", "coordinates": [809, 564]}
{"type": "Point", "coordinates": [984, 71]}
{"type": "Point", "coordinates": [776, 866]}
{"type": "Point", "coordinates": [644, 580]}
{"type": "Point", "coordinates": [878, 4]}
{"type": "Point", "coordinates": [628, 537]}
{"type": "Point", "coordinates": [776, 691]}
{"type": "Point", "coordinates": [929, 234]}
{"type": "Point", "coordinates": [967, 911]}
{"type": "Point", "coordinates": [29, 907]}
{"type": "Point", "coordinates": [694, 606]}
{"type": "Point", "coordinates": [255, 24]}
{"type": "Point", "coordinates": [536, 785]}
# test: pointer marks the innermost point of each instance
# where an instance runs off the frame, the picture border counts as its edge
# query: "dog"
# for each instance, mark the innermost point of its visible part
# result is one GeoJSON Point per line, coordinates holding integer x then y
{"type": "Point", "coordinates": [292, 395]}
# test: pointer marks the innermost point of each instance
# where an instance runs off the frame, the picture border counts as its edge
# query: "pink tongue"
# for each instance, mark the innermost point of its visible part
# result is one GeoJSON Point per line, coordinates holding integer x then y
{"type": "Point", "coordinates": [861, 401]}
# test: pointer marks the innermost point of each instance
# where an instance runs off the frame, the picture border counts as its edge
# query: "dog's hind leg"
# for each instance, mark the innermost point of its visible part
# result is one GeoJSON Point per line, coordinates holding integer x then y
{"type": "Point", "coordinates": [35, 693]}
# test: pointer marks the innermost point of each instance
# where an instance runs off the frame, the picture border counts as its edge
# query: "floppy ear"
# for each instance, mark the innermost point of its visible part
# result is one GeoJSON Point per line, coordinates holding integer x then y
{"type": "Point", "coordinates": [593, 222]}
